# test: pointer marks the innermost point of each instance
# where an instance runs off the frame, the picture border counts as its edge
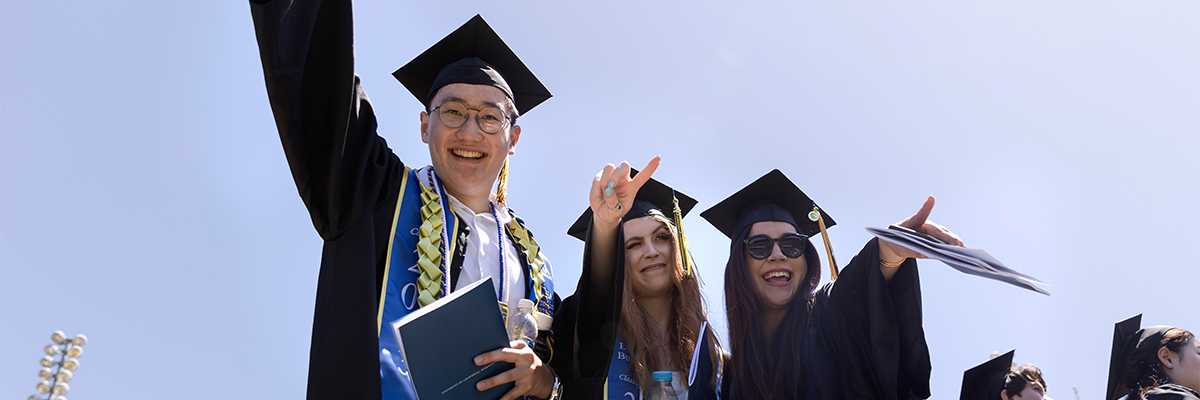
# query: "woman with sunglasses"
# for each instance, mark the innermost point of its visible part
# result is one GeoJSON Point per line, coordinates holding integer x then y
{"type": "Point", "coordinates": [638, 305]}
{"type": "Point", "coordinates": [1155, 363]}
{"type": "Point", "coordinates": [857, 337]}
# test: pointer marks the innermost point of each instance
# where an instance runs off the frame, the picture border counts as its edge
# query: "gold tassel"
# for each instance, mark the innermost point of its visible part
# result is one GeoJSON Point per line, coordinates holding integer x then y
{"type": "Point", "coordinates": [685, 253]}
{"type": "Point", "coordinates": [502, 186]}
{"type": "Point", "coordinates": [815, 215]}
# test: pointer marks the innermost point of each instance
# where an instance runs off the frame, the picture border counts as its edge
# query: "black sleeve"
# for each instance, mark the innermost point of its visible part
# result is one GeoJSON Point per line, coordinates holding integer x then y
{"type": "Point", "coordinates": [342, 168]}
{"type": "Point", "coordinates": [594, 317]}
{"type": "Point", "coordinates": [563, 361]}
{"type": "Point", "coordinates": [868, 340]}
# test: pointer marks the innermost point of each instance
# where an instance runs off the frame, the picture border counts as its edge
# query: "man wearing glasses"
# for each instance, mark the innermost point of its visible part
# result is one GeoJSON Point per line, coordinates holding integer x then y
{"type": "Point", "coordinates": [398, 238]}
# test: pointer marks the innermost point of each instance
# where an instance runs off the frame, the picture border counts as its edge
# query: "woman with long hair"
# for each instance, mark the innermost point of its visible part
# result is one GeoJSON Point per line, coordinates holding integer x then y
{"type": "Point", "coordinates": [1155, 363]}
{"type": "Point", "coordinates": [857, 337]}
{"type": "Point", "coordinates": [638, 307]}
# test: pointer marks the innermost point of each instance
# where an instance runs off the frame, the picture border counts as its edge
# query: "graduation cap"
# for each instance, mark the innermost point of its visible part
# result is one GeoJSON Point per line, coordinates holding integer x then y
{"type": "Point", "coordinates": [1131, 345]}
{"type": "Point", "coordinates": [472, 54]}
{"type": "Point", "coordinates": [985, 381]}
{"type": "Point", "coordinates": [654, 198]}
{"type": "Point", "coordinates": [773, 197]}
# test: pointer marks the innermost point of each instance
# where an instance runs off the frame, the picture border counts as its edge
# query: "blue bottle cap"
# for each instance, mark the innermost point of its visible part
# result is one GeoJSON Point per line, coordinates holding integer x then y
{"type": "Point", "coordinates": [661, 376]}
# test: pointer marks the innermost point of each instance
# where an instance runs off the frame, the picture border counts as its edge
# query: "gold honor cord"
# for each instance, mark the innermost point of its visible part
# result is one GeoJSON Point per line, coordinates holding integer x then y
{"type": "Point", "coordinates": [533, 256]}
{"type": "Point", "coordinates": [684, 252]}
{"type": "Point", "coordinates": [815, 216]}
{"type": "Point", "coordinates": [429, 254]}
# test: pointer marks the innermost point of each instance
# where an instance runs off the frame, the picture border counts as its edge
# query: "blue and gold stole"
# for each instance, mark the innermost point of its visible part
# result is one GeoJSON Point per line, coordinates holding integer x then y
{"type": "Point", "coordinates": [417, 270]}
{"type": "Point", "coordinates": [620, 383]}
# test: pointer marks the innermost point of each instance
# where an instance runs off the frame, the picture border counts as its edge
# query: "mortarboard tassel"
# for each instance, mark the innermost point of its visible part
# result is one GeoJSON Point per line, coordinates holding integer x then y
{"type": "Point", "coordinates": [502, 185]}
{"type": "Point", "coordinates": [685, 253]}
{"type": "Point", "coordinates": [815, 216]}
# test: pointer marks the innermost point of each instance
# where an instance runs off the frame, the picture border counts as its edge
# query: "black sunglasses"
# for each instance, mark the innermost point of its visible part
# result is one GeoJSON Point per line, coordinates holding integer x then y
{"type": "Point", "coordinates": [791, 245]}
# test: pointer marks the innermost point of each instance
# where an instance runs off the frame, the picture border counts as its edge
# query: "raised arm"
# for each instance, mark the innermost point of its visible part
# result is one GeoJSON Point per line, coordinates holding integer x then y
{"type": "Point", "coordinates": [342, 169]}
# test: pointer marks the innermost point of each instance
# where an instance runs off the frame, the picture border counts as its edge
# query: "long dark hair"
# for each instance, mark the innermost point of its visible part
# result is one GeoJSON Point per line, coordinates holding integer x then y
{"type": "Point", "coordinates": [763, 370]}
{"type": "Point", "coordinates": [1149, 369]}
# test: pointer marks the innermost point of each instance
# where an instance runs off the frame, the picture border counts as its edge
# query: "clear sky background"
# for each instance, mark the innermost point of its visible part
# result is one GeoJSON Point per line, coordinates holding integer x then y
{"type": "Point", "coordinates": [145, 199]}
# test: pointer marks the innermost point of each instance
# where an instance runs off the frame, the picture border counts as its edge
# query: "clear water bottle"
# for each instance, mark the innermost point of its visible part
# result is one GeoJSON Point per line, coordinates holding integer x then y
{"type": "Point", "coordinates": [661, 388]}
{"type": "Point", "coordinates": [522, 325]}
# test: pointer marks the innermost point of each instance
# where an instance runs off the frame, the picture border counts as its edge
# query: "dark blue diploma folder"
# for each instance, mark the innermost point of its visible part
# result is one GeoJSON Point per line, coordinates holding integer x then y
{"type": "Point", "coordinates": [439, 343]}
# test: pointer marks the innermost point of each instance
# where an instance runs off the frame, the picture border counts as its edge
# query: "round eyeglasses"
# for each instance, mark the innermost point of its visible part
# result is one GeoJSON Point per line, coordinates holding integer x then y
{"type": "Point", "coordinates": [454, 114]}
{"type": "Point", "coordinates": [791, 245]}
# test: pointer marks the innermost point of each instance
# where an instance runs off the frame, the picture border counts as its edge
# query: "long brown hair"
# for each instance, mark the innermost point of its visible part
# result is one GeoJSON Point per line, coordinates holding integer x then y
{"type": "Point", "coordinates": [763, 370]}
{"type": "Point", "coordinates": [687, 312]}
{"type": "Point", "coordinates": [1150, 370]}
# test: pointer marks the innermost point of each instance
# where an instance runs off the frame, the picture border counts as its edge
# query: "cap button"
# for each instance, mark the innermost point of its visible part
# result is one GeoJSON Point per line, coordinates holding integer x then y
{"type": "Point", "coordinates": [814, 216]}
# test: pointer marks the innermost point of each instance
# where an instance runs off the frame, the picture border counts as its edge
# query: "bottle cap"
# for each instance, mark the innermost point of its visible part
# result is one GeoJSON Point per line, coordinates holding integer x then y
{"type": "Point", "coordinates": [661, 376]}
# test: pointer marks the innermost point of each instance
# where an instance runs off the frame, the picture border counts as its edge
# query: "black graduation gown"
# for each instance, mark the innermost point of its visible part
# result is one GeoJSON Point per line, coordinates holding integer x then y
{"type": "Point", "coordinates": [595, 318]}
{"type": "Point", "coordinates": [347, 176]}
{"type": "Point", "coordinates": [864, 339]}
{"type": "Point", "coordinates": [1171, 392]}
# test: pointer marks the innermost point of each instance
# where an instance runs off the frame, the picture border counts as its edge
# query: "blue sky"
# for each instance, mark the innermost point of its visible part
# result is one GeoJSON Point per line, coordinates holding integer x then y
{"type": "Point", "coordinates": [145, 199]}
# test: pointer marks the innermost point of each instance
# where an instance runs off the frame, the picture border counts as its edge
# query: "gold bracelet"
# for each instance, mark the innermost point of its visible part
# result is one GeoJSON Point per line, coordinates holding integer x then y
{"type": "Point", "coordinates": [892, 264]}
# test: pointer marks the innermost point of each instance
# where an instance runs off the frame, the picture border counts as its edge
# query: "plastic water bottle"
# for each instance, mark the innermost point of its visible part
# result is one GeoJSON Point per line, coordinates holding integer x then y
{"type": "Point", "coordinates": [661, 388]}
{"type": "Point", "coordinates": [522, 325]}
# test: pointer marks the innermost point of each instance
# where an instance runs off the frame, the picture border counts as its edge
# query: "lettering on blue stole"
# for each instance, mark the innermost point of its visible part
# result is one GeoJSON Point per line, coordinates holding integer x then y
{"type": "Point", "coordinates": [620, 377]}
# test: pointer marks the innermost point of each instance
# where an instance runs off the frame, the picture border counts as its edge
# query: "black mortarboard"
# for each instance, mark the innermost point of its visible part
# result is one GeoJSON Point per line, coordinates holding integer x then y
{"type": "Point", "coordinates": [472, 54]}
{"type": "Point", "coordinates": [771, 198]}
{"type": "Point", "coordinates": [1131, 345]}
{"type": "Point", "coordinates": [653, 197]}
{"type": "Point", "coordinates": [985, 381]}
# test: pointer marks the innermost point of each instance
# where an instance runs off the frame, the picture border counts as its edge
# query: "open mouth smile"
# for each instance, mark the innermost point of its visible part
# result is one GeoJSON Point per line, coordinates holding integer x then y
{"type": "Point", "coordinates": [777, 277]}
{"type": "Point", "coordinates": [467, 154]}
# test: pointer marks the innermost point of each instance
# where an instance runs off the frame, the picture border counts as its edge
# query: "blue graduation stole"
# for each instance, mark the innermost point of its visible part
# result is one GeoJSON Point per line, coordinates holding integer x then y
{"type": "Point", "coordinates": [620, 383]}
{"type": "Point", "coordinates": [401, 274]}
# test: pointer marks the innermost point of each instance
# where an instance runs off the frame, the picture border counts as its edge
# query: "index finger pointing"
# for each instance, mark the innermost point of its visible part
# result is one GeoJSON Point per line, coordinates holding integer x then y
{"type": "Point", "coordinates": [917, 220]}
{"type": "Point", "coordinates": [644, 176]}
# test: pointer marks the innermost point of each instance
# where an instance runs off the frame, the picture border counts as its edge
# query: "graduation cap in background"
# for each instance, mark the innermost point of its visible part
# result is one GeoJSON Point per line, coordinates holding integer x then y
{"type": "Point", "coordinates": [472, 54]}
{"type": "Point", "coordinates": [773, 197]}
{"type": "Point", "coordinates": [654, 197]}
{"type": "Point", "coordinates": [985, 381]}
{"type": "Point", "coordinates": [1130, 345]}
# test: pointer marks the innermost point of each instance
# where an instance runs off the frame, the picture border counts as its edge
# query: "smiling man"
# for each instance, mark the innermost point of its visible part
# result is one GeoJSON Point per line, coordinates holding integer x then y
{"type": "Point", "coordinates": [398, 238]}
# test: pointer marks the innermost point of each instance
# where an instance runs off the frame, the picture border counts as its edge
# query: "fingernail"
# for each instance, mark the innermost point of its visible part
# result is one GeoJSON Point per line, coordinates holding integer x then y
{"type": "Point", "coordinates": [479, 359]}
{"type": "Point", "coordinates": [479, 386]}
{"type": "Point", "coordinates": [659, 157]}
{"type": "Point", "coordinates": [599, 199]}
{"type": "Point", "coordinates": [608, 190]}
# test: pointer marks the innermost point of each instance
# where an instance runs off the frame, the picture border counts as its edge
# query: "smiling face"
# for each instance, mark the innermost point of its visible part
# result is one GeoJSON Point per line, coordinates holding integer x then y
{"type": "Point", "coordinates": [776, 278]}
{"type": "Point", "coordinates": [649, 256]}
{"type": "Point", "coordinates": [466, 158]}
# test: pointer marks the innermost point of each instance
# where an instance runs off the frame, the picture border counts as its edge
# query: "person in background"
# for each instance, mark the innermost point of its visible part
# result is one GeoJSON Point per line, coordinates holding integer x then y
{"type": "Point", "coordinates": [1155, 363]}
{"type": "Point", "coordinates": [996, 379]}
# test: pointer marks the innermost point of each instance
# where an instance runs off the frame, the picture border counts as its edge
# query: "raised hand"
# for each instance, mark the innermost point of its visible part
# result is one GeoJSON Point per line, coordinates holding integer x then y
{"type": "Point", "coordinates": [919, 222]}
{"type": "Point", "coordinates": [613, 191]}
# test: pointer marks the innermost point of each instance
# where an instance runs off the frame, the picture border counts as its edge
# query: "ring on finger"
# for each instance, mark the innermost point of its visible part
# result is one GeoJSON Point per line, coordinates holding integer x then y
{"type": "Point", "coordinates": [617, 208]}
